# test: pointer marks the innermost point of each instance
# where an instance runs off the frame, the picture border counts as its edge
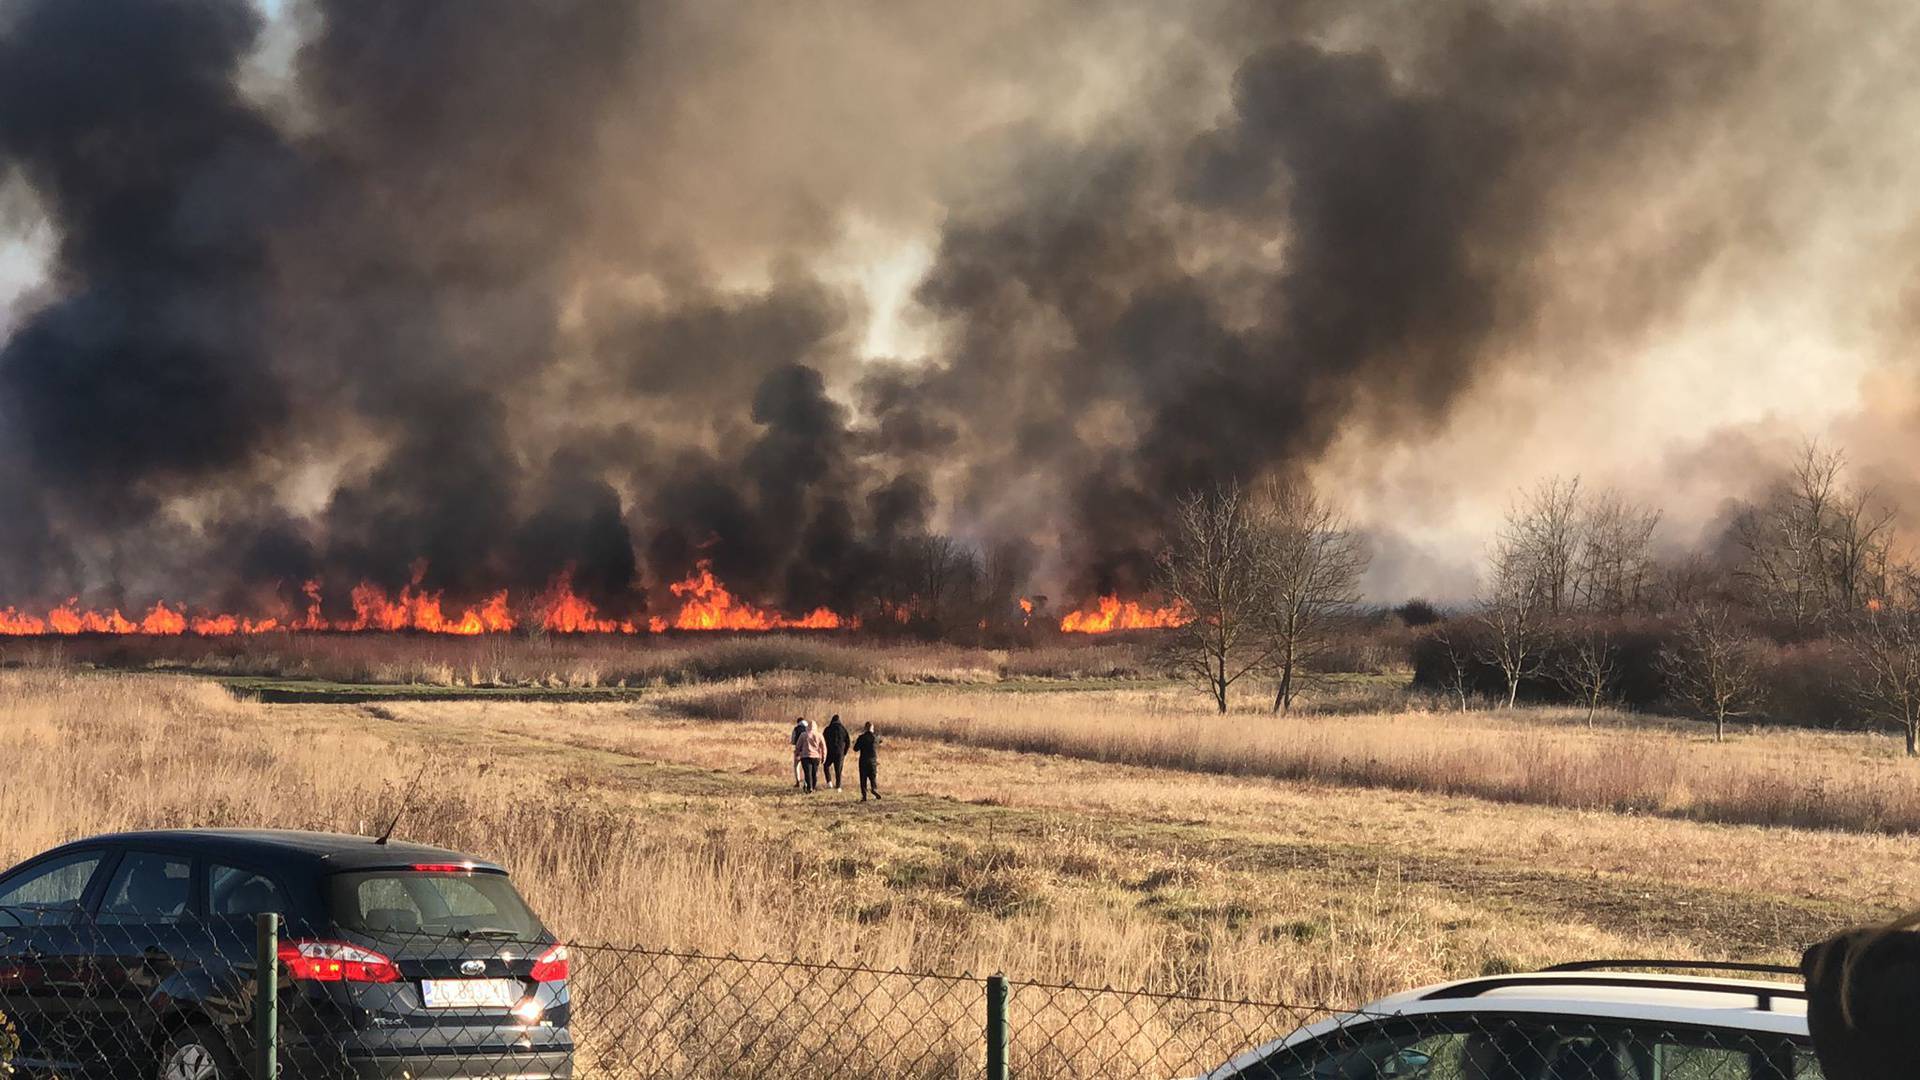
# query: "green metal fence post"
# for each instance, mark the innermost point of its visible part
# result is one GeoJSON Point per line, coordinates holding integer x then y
{"type": "Point", "coordinates": [998, 1035]}
{"type": "Point", "coordinates": [266, 996]}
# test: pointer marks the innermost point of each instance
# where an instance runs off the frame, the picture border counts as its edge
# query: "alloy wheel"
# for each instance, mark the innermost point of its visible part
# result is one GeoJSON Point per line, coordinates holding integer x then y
{"type": "Point", "coordinates": [190, 1062]}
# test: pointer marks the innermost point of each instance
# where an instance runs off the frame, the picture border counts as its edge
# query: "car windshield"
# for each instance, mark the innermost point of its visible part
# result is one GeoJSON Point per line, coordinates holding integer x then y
{"type": "Point", "coordinates": [451, 904]}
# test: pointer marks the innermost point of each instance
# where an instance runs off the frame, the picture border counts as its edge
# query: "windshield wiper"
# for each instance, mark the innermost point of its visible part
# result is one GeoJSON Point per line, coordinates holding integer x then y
{"type": "Point", "coordinates": [490, 932]}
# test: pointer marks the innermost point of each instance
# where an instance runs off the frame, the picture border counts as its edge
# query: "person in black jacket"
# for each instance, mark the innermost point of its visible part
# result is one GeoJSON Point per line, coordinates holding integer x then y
{"type": "Point", "coordinates": [799, 729]}
{"type": "Point", "coordinates": [868, 747]}
{"type": "Point", "coordinates": [837, 739]}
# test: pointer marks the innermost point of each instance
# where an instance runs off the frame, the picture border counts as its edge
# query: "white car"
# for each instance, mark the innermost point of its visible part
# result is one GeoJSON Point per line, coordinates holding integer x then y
{"type": "Point", "coordinates": [1583, 1021]}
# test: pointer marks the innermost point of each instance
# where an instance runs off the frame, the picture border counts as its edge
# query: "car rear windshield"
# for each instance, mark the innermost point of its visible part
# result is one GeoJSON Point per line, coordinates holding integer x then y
{"type": "Point", "coordinates": [440, 903]}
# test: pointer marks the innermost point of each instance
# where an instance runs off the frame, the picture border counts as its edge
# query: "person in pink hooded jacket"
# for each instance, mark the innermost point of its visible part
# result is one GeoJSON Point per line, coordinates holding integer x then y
{"type": "Point", "coordinates": [810, 748]}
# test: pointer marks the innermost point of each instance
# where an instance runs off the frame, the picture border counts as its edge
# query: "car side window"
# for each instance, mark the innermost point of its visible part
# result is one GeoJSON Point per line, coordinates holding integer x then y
{"type": "Point", "coordinates": [148, 888]}
{"type": "Point", "coordinates": [1465, 1046]}
{"type": "Point", "coordinates": [51, 889]}
{"type": "Point", "coordinates": [233, 891]}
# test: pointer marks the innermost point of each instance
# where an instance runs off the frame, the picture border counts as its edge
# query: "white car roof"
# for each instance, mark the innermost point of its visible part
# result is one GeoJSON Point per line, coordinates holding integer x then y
{"type": "Point", "coordinates": [1776, 1008]}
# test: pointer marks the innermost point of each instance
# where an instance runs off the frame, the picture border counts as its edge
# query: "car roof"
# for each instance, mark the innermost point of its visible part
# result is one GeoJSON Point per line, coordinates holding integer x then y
{"type": "Point", "coordinates": [1751, 1004]}
{"type": "Point", "coordinates": [1775, 1008]}
{"type": "Point", "coordinates": [326, 851]}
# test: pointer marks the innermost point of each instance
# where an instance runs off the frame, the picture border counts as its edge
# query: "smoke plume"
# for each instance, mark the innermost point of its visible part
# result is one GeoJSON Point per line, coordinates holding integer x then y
{"type": "Point", "coordinates": [481, 294]}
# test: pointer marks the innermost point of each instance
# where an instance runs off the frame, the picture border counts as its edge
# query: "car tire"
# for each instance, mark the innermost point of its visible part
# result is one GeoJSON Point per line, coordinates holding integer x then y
{"type": "Point", "coordinates": [198, 1053]}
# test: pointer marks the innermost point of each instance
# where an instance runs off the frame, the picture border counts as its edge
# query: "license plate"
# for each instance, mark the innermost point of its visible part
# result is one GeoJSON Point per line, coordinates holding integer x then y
{"type": "Point", "coordinates": [471, 993]}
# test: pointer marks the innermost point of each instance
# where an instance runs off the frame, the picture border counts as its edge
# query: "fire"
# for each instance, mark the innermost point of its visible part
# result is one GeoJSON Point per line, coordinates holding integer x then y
{"type": "Point", "coordinates": [418, 609]}
{"type": "Point", "coordinates": [15, 624]}
{"type": "Point", "coordinates": [705, 604]}
{"type": "Point", "coordinates": [562, 612]}
{"type": "Point", "coordinates": [1113, 614]}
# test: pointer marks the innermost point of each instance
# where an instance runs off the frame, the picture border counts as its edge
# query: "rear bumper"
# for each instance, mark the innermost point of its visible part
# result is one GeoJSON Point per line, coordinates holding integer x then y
{"type": "Point", "coordinates": [522, 1065]}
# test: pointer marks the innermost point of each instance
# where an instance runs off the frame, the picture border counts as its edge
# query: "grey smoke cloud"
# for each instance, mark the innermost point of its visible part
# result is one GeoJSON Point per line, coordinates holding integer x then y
{"type": "Point", "coordinates": [527, 288]}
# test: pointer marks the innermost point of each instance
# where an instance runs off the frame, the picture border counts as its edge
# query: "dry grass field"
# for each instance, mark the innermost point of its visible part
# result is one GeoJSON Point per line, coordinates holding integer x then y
{"type": "Point", "coordinates": [577, 661]}
{"type": "Point", "coordinates": [1625, 764]}
{"type": "Point", "coordinates": [1103, 835]}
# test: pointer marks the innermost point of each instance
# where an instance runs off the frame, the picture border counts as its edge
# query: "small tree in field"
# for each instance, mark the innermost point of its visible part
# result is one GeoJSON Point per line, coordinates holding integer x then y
{"type": "Point", "coordinates": [1711, 667]}
{"type": "Point", "coordinates": [1457, 680]}
{"type": "Point", "coordinates": [1511, 613]}
{"type": "Point", "coordinates": [1212, 567]}
{"type": "Point", "coordinates": [1310, 561]}
{"type": "Point", "coordinates": [1587, 668]}
{"type": "Point", "coordinates": [1885, 640]}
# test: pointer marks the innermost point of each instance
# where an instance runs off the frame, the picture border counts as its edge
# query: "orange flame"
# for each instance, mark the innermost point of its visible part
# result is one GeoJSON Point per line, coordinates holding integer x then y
{"type": "Point", "coordinates": [1112, 615]}
{"type": "Point", "coordinates": [562, 612]}
{"type": "Point", "coordinates": [706, 604]}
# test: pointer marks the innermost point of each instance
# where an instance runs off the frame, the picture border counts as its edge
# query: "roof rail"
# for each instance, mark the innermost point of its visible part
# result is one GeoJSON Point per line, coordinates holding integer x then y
{"type": "Point", "coordinates": [1592, 973]}
{"type": "Point", "coordinates": [1676, 965]}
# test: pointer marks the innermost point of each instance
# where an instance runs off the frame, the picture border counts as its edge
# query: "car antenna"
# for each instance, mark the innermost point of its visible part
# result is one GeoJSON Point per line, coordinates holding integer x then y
{"type": "Point", "coordinates": [404, 800]}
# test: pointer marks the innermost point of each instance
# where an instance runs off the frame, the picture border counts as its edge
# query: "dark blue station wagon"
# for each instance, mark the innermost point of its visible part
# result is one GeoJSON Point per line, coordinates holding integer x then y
{"type": "Point", "coordinates": [133, 955]}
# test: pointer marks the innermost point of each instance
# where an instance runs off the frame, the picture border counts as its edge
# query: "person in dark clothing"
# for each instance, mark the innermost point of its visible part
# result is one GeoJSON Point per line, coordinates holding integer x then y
{"type": "Point", "coordinates": [799, 729]}
{"type": "Point", "coordinates": [868, 747]}
{"type": "Point", "coordinates": [837, 739]}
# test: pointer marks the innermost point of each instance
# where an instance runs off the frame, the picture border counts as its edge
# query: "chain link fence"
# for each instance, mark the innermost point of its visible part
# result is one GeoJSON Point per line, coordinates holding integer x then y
{"type": "Point", "coordinates": [192, 1000]}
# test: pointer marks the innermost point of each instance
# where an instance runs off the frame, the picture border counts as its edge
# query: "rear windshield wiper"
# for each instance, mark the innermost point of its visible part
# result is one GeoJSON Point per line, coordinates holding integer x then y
{"type": "Point", "coordinates": [490, 932]}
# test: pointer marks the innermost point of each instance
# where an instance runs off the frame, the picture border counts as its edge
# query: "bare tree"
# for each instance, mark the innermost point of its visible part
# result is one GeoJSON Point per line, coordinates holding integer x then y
{"type": "Point", "coordinates": [1690, 579]}
{"type": "Point", "coordinates": [1511, 611]}
{"type": "Point", "coordinates": [1543, 537]}
{"type": "Point", "coordinates": [937, 564]}
{"type": "Point", "coordinates": [1614, 571]}
{"type": "Point", "coordinates": [1212, 566]}
{"type": "Point", "coordinates": [1814, 549]}
{"type": "Point", "coordinates": [1711, 666]}
{"type": "Point", "coordinates": [1456, 681]}
{"type": "Point", "coordinates": [1587, 667]}
{"type": "Point", "coordinates": [1885, 640]}
{"type": "Point", "coordinates": [1311, 561]}
{"type": "Point", "coordinates": [1858, 552]}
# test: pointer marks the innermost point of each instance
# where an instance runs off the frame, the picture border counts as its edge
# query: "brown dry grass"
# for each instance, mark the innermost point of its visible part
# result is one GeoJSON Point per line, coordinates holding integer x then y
{"type": "Point", "coordinates": [627, 824]}
{"type": "Point", "coordinates": [579, 661]}
{"type": "Point", "coordinates": [1546, 757]}
{"type": "Point", "coordinates": [1061, 858]}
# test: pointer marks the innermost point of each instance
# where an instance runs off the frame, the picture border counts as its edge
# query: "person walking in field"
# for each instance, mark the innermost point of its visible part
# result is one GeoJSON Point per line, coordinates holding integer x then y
{"type": "Point", "coordinates": [868, 747]}
{"type": "Point", "coordinates": [799, 730]}
{"type": "Point", "coordinates": [811, 749]}
{"type": "Point", "coordinates": [837, 738]}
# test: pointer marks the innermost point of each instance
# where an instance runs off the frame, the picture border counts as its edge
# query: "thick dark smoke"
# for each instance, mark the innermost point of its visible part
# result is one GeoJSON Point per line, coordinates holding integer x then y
{"type": "Point", "coordinates": [153, 368]}
{"type": "Point", "coordinates": [489, 295]}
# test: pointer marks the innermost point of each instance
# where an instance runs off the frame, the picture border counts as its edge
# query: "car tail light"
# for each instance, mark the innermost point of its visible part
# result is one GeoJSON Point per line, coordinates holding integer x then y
{"type": "Point", "coordinates": [336, 961]}
{"type": "Point", "coordinates": [443, 868]}
{"type": "Point", "coordinates": [551, 966]}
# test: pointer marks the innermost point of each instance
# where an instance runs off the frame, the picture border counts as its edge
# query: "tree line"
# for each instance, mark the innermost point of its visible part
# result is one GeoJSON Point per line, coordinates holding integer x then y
{"type": "Point", "coordinates": [1802, 609]}
{"type": "Point", "coordinates": [1808, 569]}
